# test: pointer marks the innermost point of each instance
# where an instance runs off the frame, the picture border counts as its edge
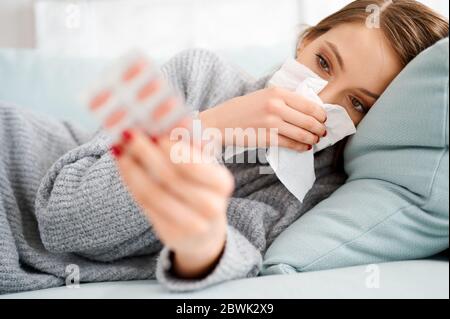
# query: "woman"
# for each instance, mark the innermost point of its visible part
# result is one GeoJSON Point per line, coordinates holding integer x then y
{"type": "Point", "coordinates": [191, 225]}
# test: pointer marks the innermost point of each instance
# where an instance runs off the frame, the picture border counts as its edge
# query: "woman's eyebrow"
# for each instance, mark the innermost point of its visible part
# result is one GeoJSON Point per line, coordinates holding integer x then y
{"type": "Point", "coordinates": [370, 94]}
{"type": "Point", "coordinates": [335, 50]}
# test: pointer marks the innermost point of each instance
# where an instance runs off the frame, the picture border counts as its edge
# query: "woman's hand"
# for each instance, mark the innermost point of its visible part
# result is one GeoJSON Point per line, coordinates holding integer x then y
{"type": "Point", "coordinates": [299, 121]}
{"type": "Point", "coordinates": [186, 203]}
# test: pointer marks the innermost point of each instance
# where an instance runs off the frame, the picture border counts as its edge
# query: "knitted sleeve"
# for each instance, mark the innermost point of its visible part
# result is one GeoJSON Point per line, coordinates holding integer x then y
{"type": "Point", "coordinates": [82, 205]}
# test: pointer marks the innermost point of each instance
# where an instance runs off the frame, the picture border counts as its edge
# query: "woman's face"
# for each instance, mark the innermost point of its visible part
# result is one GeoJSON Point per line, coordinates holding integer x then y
{"type": "Point", "coordinates": [357, 61]}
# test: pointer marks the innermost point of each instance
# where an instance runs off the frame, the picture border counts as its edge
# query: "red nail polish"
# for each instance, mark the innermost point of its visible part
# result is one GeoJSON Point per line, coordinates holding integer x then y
{"type": "Point", "coordinates": [127, 136]}
{"type": "Point", "coordinates": [154, 139]}
{"type": "Point", "coordinates": [116, 151]}
{"type": "Point", "coordinates": [309, 147]}
{"type": "Point", "coordinates": [326, 133]}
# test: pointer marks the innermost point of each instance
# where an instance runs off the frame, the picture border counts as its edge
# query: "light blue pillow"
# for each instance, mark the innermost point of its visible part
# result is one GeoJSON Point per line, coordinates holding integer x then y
{"type": "Point", "coordinates": [395, 205]}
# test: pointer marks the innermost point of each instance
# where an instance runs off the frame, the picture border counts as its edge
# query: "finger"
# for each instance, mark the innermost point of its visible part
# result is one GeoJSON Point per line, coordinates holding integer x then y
{"type": "Point", "coordinates": [145, 152]}
{"type": "Point", "coordinates": [152, 159]}
{"type": "Point", "coordinates": [304, 105]}
{"type": "Point", "coordinates": [302, 120]}
{"type": "Point", "coordinates": [208, 175]}
{"type": "Point", "coordinates": [202, 200]}
{"type": "Point", "coordinates": [292, 144]}
{"type": "Point", "coordinates": [160, 167]}
{"type": "Point", "coordinates": [298, 134]}
{"type": "Point", "coordinates": [156, 202]}
{"type": "Point", "coordinates": [274, 139]}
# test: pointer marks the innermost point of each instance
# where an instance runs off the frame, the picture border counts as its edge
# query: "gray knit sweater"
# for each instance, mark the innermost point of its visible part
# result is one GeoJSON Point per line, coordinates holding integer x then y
{"type": "Point", "coordinates": [62, 201]}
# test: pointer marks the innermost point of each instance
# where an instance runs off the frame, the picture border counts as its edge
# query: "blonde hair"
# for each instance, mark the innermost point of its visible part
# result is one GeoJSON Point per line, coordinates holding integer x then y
{"type": "Point", "coordinates": [409, 25]}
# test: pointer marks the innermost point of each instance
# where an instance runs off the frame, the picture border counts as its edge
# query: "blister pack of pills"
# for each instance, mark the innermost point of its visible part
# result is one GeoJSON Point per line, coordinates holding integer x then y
{"type": "Point", "coordinates": [132, 93]}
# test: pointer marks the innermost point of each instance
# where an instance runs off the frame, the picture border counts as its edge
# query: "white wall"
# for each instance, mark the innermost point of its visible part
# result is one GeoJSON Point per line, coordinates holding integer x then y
{"type": "Point", "coordinates": [17, 23]}
{"type": "Point", "coordinates": [164, 27]}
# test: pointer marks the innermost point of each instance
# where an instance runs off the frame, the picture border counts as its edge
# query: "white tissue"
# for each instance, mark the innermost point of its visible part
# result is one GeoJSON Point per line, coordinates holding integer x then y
{"type": "Point", "coordinates": [294, 169]}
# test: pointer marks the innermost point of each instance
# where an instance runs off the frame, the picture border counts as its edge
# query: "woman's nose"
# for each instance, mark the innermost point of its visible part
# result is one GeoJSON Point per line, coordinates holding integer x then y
{"type": "Point", "coordinates": [330, 94]}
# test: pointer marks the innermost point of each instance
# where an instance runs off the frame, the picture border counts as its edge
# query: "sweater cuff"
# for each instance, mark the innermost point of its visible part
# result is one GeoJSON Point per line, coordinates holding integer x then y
{"type": "Point", "coordinates": [240, 259]}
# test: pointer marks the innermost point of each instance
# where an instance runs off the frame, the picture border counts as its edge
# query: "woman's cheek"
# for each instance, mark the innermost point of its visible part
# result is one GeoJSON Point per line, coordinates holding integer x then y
{"type": "Point", "coordinates": [354, 115]}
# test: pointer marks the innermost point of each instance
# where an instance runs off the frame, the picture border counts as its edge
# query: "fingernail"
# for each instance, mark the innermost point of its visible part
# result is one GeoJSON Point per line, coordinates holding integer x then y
{"type": "Point", "coordinates": [127, 135]}
{"type": "Point", "coordinates": [326, 133]}
{"type": "Point", "coordinates": [154, 139]}
{"type": "Point", "coordinates": [310, 147]}
{"type": "Point", "coordinates": [116, 151]}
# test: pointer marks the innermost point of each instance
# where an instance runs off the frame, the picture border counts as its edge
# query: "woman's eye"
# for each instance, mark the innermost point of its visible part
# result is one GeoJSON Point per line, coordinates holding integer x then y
{"type": "Point", "coordinates": [358, 106]}
{"type": "Point", "coordinates": [323, 63]}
